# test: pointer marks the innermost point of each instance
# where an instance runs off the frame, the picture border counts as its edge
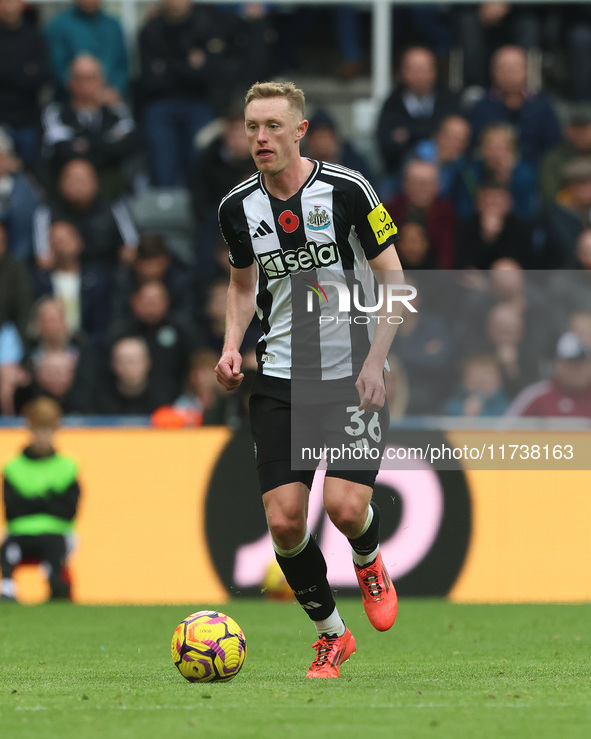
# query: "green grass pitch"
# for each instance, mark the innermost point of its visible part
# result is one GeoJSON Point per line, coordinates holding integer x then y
{"type": "Point", "coordinates": [444, 670]}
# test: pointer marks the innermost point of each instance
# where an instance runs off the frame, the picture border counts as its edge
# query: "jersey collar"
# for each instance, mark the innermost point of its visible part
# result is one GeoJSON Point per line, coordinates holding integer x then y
{"type": "Point", "coordinates": [312, 176]}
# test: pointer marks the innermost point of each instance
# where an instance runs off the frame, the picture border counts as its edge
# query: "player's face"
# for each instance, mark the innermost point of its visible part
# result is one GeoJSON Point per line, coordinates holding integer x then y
{"type": "Point", "coordinates": [274, 132]}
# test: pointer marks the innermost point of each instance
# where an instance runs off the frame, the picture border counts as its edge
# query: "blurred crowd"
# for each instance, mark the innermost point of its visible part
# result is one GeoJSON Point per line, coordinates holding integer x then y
{"type": "Point", "coordinates": [113, 274]}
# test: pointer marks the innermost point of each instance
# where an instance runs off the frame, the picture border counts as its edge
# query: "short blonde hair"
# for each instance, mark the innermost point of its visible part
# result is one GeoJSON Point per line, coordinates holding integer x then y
{"type": "Point", "coordinates": [287, 90]}
{"type": "Point", "coordinates": [42, 412]}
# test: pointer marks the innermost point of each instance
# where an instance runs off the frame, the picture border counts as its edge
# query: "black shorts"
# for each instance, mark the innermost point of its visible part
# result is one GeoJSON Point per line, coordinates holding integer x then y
{"type": "Point", "coordinates": [335, 425]}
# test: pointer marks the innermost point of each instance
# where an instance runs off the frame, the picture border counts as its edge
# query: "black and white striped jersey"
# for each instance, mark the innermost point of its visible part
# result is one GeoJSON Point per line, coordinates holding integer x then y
{"type": "Point", "coordinates": [326, 232]}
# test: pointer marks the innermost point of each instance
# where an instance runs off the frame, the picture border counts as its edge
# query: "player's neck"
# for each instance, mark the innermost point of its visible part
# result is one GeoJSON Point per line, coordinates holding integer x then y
{"type": "Point", "coordinates": [285, 184]}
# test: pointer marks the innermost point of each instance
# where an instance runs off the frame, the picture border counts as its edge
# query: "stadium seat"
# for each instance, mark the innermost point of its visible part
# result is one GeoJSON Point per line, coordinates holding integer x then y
{"type": "Point", "coordinates": [167, 211]}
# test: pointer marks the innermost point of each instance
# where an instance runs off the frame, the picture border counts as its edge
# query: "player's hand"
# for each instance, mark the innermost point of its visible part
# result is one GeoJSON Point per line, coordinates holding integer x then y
{"type": "Point", "coordinates": [227, 370]}
{"type": "Point", "coordinates": [371, 389]}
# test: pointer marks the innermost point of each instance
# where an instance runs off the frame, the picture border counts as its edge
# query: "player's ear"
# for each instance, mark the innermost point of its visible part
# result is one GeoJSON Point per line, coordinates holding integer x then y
{"type": "Point", "coordinates": [301, 129]}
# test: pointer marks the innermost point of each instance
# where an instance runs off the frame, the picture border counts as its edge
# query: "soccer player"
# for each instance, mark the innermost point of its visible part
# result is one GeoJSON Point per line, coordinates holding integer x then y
{"type": "Point", "coordinates": [302, 221]}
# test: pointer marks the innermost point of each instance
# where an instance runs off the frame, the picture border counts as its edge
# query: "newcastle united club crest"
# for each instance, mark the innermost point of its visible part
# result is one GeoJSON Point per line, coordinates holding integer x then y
{"type": "Point", "coordinates": [318, 220]}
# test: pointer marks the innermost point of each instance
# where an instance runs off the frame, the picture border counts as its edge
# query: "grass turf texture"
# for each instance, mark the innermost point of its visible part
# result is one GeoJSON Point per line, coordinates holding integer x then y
{"type": "Point", "coordinates": [444, 670]}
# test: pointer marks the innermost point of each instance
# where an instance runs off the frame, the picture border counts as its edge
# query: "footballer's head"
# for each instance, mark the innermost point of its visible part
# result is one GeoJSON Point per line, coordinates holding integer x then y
{"type": "Point", "coordinates": [293, 95]}
{"type": "Point", "coordinates": [275, 124]}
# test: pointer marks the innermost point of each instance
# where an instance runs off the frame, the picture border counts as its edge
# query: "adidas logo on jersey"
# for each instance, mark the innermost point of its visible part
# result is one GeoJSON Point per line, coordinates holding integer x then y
{"type": "Point", "coordinates": [263, 230]}
{"type": "Point", "coordinates": [311, 256]}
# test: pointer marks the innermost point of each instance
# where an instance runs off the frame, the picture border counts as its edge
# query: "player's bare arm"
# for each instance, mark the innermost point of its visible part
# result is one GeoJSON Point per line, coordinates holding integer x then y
{"type": "Point", "coordinates": [370, 383]}
{"type": "Point", "coordinates": [239, 313]}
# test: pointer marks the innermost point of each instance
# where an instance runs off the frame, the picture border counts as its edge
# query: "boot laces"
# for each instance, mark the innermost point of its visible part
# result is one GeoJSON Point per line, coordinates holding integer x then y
{"type": "Point", "coordinates": [372, 582]}
{"type": "Point", "coordinates": [324, 646]}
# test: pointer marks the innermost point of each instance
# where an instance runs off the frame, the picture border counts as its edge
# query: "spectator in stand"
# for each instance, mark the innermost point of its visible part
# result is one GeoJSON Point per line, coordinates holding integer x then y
{"type": "Point", "coordinates": [506, 282]}
{"type": "Point", "coordinates": [15, 288]}
{"type": "Point", "coordinates": [569, 289]}
{"type": "Point", "coordinates": [423, 347]}
{"type": "Point", "coordinates": [54, 376]}
{"type": "Point", "coordinates": [414, 249]}
{"type": "Point", "coordinates": [24, 72]}
{"type": "Point", "coordinates": [582, 254]}
{"type": "Point", "coordinates": [70, 374]}
{"type": "Point", "coordinates": [253, 42]}
{"type": "Point", "coordinates": [447, 149]}
{"type": "Point", "coordinates": [510, 101]}
{"type": "Point", "coordinates": [221, 268]}
{"type": "Point", "coordinates": [90, 127]}
{"type": "Point", "coordinates": [170, 340]}
{"type": "Point", "coordinates": [347, 32]}
{"type": "Point", "coordinates": [127, 389]}
{"type": "Point", "coordinates": [201, 389]}
{"type": "Point", "coordinates": [185, 55]}
{"type": "Point", "coordinates": [575, 142]}
{"type": "Point", "coordinates": [41, 494]}
{"type": "Point", "coordinates": [484, 27]}
{"type": "Point", "coordinates": [567, 393]}
{"type": "Point", "coordinates": [429, 24]}
{"type": "Point", "coordinates": [414, 109]}
{"type": "Point", "coordinates": [212, 321]}
{"type": "Point", "coordinates": [222, 165]}
{"type": "Point", "coordinates": [578, 47]}
{"type": "Point", "coordinates": [493, 232]}
{"type": "Point", "coordinates": [18, 200]}
{"type": "Point", "coordinates": [498, 161]}
{"type": "Point", "coordinates": [107, 229]}
{"type": "Point", "coordinates": [82, 290]}
{"type": "Point", "coordinates": [340, 28]}
{"type": "Point", "coordinates": [86, 29]}
{"type": "Point", "coordinates": [11, 372]}
{"type": "Point", "coordinates": [481, 391]}
{"type": "Point", "coordinates": [15, 307]}
{"type": "Point", "coordinates": [420, 200]}
{"type": "Point", "coordinates": [517, 353]}
{"type": "Point", "coordinates": [324, 143]}
{"type": "Point", "coordinates": [154, 262]}
{"type": "Point", "coordinates": [580, 324]}
{"type": "Point", "coordinates": [562, 222]}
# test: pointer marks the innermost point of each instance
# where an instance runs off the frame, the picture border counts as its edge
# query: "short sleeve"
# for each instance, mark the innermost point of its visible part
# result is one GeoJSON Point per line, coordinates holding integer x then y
{"type": "Point", "coordinates": [240, 254]}
{"type": "Point", "coordinates": [373, 224]}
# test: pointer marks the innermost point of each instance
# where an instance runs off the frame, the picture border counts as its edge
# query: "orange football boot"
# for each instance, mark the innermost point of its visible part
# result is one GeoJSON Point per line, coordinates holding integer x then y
{"type": "Point", "coordinates": [332, 652]}
{"type": "Point", "coordinates": [379, 596]}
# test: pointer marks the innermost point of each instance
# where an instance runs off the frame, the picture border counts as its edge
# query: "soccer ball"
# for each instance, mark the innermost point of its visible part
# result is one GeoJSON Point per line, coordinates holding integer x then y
{"type": "Point", "coordinates": [208, 646]}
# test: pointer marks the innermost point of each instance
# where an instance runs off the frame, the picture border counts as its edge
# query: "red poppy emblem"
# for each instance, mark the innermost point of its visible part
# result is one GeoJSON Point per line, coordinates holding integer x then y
{"type": "Point", "coordinates": [288, 221]}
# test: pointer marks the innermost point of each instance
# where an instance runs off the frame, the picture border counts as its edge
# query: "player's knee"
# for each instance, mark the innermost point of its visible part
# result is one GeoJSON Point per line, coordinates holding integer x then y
{"type": "Point", "coordinates": [287, 525]}
{"type": "Point", "coordinates": [287, 531]}
{"type": "Point", "coordinates": [347, 514]}
{"type": "Point", "coordinates": [286, 518]}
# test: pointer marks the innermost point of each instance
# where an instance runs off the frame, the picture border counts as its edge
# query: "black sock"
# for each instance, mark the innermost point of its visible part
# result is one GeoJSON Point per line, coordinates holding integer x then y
{"type": "Point", "coordinates": [369, 540]}
{"type": "Point", "coordinates": [306, 575]}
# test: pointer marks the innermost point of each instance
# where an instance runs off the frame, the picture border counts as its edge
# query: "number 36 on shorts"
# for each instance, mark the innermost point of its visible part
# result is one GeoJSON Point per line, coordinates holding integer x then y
{"type": "Point", "coordinates": [358, 426]}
